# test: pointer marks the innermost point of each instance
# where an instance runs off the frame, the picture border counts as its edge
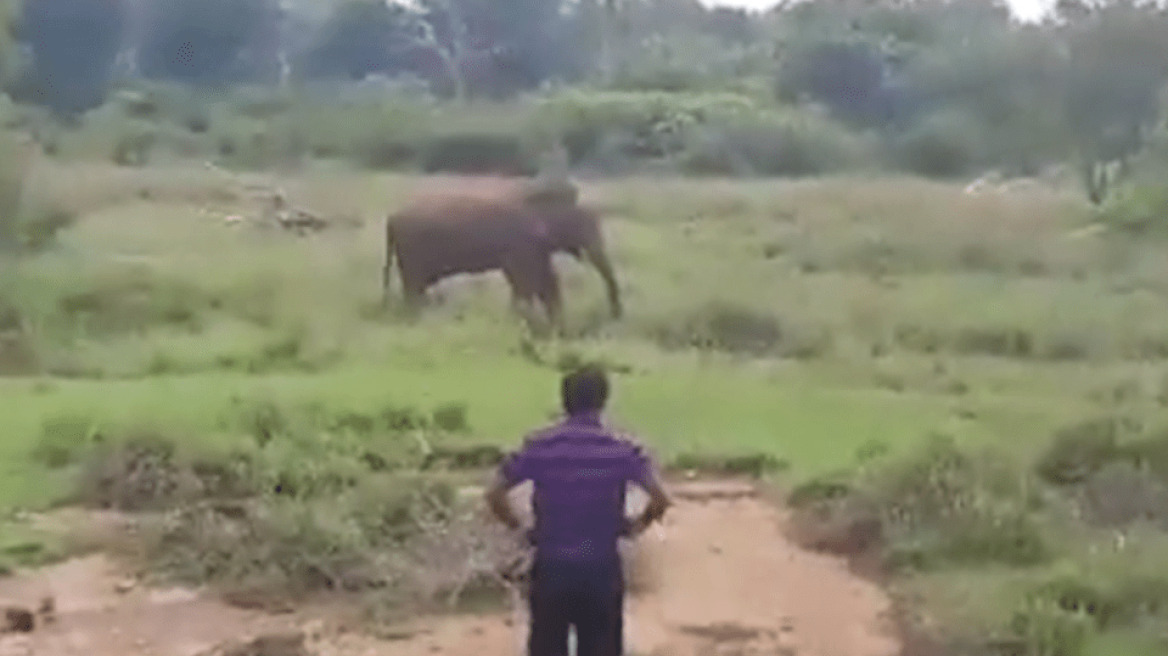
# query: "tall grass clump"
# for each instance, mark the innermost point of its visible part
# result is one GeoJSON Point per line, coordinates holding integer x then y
{"type": "Point", "coordinates": [28, 221]}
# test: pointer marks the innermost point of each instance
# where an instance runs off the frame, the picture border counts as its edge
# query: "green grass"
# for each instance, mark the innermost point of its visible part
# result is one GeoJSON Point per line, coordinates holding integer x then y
{"type": "Point", "coordinates": [183, 313]}
{"type": "Point", "coordinates": [679, 408]}
{"type": "Point", "coordinates": [889, 311]}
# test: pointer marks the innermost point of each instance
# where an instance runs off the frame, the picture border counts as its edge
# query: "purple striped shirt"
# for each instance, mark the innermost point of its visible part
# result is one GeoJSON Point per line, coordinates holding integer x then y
{"type": "Point", "coordinates": [580, 469]}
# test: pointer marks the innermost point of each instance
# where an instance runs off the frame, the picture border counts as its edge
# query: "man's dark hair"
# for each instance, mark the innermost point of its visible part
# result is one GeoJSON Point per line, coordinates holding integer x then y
{"type": "Point", "coordinates": [585, 389]}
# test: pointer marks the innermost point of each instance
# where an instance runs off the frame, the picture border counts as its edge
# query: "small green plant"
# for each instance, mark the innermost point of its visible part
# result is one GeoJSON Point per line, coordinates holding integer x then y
{"type": "Point", "coordinates": [451, 417]}
{"type": "Point", "coordinates": [1046, 629]}
{"type": "Point", "coordinates": [65, 440]}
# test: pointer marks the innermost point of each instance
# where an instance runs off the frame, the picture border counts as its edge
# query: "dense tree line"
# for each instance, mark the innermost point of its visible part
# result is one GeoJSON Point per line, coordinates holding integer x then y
{"type": "Point", "coordinates": [950, 84]}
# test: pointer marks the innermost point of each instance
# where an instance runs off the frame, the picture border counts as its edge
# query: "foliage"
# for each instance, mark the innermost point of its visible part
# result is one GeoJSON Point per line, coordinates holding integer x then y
{"type": "Point", "coordinates": [1139, 206]}
{"type": "Point", "coordinates": [846, 76]}
{"type": "Point", "coordinates": [73, 44]}
{"type": "Point", "coordinates": [940, 89]}
{"type": "Point", "coordinates": [28, 221]}
{"type": "Point", "coordinates": [1117, 71]}
{"type": "Point", "coordinates": [360, 38]}
{"type": "Point", "coordinates": [209, 41]}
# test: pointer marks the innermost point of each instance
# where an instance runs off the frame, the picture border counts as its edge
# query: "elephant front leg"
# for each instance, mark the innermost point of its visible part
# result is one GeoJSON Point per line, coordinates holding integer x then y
{"type": "Point", "coordinates": [531, 279]}
{"type": "Point", "coordinates": [385, 279]}
{"type": "Point", "coordinates": [413, 292]}
{"type": "Point", "coordinates": [552, 299]}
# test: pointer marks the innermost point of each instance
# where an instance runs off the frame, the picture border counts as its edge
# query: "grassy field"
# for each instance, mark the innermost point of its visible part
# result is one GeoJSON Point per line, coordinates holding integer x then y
{"type": "Point", "coordinates": [821, 322]}
{"type": "Point", "coordinates": [834, 315]}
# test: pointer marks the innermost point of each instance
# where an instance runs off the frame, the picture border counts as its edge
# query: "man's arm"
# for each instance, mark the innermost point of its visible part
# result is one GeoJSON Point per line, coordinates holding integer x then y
{"type": "Point", "coordinates": [511, 472]}
{"type": "Point", "coordinates": [645, 475]}
{"type": "Point", "coordinates": [659, 502]}
{"type": "Point", "coordinates": [499, 504]}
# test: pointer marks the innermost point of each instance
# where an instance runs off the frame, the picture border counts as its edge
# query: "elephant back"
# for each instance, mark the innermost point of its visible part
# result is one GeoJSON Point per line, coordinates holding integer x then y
{"type": "Point", "coordinates": [550, 190]}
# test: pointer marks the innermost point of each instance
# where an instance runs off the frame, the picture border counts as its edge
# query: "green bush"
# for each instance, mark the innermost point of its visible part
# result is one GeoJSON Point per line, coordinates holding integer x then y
{"type": "Point", "coordinates": [1045, 629]}
{"type": "Point", "coordinates": [1138, 208]}
{"type": "Point", "coordinates": [1078, 451]}
{"type": "Point", "coordinates": [65, 440]}
{"type": "Point", "coordinates": [941, 146]}
{"type": "Point", "coordinates": [947, 506]}
{"type": "Point", "coordinates": [137, 472]}
{"type": "Point", "coordinates": [769, 144]}
{"type": "Point", "coordinates": [1120, 493]}
{"type": "Point", "coordinates": [471, 152]}
{"type": "Point", "coordinates": [134, 146]}
{"type": "Point", "coordinates": [644, 125]}
{"type": "Point", "coordinates": [451, 417]}
{"type": "Point", "coordinates": [27, 222]}
{"type": "Point", "coordinates": [119, 302]}
{"type": "Point", "coordinates": [733, 328]}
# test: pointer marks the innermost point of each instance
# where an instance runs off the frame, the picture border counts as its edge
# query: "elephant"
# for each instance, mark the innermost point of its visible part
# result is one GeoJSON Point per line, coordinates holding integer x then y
{"type": "Point", "coordinates": [444, 235]}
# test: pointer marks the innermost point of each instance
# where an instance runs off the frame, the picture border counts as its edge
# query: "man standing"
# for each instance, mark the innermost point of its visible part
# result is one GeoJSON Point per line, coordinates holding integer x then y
{"type": "Point", "coordinates": [580, 470]}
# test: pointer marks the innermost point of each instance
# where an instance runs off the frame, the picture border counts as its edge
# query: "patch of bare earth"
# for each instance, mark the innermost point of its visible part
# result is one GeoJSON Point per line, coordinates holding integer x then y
{"type": "Point", "coordinates": [718, 577]}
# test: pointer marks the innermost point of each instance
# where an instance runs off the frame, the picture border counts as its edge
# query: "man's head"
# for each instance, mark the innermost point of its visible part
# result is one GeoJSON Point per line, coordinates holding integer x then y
{"type": "Point", "coordinates": [584, 390]}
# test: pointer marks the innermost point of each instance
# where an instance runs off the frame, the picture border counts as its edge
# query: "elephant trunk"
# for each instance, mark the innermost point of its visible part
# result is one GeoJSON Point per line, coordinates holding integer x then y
{"type": "Point", "coordinates": [599, 259]}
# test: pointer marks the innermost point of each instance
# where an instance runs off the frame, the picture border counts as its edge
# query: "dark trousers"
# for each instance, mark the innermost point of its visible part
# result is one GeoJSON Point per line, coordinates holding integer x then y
{"type": "Point", "coordinates": [587, 596]}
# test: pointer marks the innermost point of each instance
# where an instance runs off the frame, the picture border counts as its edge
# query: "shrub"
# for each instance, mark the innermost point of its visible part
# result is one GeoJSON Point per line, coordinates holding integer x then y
{"type": "Point", "coordinates": [643, 125]}
{"type": "Point", "coordinates": [1119, 493]}
{"type": "Point", "coordinates": [941, 146]}
{"type": "Point", "coordinates": [1044, 628]}
{"type": "Point", "coordinates": [769, 144]}
{"type": "Point", "coordinates": [128, 301]}
{"type": "Point", "coordinates": [1148, 453]}
{"type": "Point", "coordinates": [477, 153]}
{"type": "Point", "coordinates": [134, 146]}
{"type": "Point", "coordinates": [996, 341]}
{"type": "Point", "coordinates": [1138, 208]}
{"type": "Point", "coordinates": [1080, 450]}
{"type": "Point", "coordinates": [27, 222]}
{"type": "Point", "coordinates": [726, 326]}
{"type": "Point", "coordinates": [940, 507]}
{"type": "Point", "coordinates": [403, 539]}
{"type": "Point", "coordinates": [137, 473]}
{"type": "Point", "coordinates": [250, 143]}
{"type": "Point", "coordinates": [65, 440]}
{"type": "Point", "coordinates": [451, 417]}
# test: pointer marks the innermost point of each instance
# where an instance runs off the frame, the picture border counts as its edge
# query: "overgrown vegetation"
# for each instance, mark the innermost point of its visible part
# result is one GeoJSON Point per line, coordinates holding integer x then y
{"type": "Point", "coordinates": [297, 500]}
{"type": "Point", "coordinates": [951, 508]}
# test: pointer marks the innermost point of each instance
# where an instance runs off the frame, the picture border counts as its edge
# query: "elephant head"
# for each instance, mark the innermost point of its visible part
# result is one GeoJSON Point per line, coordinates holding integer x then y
{"type": "Point", "coordinates": [575, 229]}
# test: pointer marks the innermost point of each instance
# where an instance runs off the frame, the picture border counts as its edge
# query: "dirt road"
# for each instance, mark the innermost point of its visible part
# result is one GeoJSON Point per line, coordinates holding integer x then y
{"type": "Point", "coordinates": [717, 578]}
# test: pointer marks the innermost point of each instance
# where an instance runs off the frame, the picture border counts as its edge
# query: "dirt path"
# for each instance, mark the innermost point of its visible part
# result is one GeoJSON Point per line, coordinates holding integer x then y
{"type": "Point", "coordinates": [717, 578]}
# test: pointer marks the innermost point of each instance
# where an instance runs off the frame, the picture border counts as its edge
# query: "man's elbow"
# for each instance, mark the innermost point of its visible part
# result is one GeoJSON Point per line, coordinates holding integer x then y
{"type": "Point", "coordinates": [659, 503]}
{"type": "Point", "coordinates": [495, 496]}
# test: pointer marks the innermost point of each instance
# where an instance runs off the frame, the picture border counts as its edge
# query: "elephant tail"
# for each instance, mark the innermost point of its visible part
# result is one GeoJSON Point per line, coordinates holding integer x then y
{"type": "Point", "coordinates": [389, 251]}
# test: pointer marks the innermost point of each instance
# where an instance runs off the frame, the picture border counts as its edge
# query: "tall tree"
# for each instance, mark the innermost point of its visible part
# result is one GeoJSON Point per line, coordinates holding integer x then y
{"type": "Point", "coordinates": [209, 41]}
{"type": "Point", "coordinates": [73, 44]}
{"type": "Point", "coordinates": [1118, 69]}
{"type": "Point", "coordinates": [360, 38]}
